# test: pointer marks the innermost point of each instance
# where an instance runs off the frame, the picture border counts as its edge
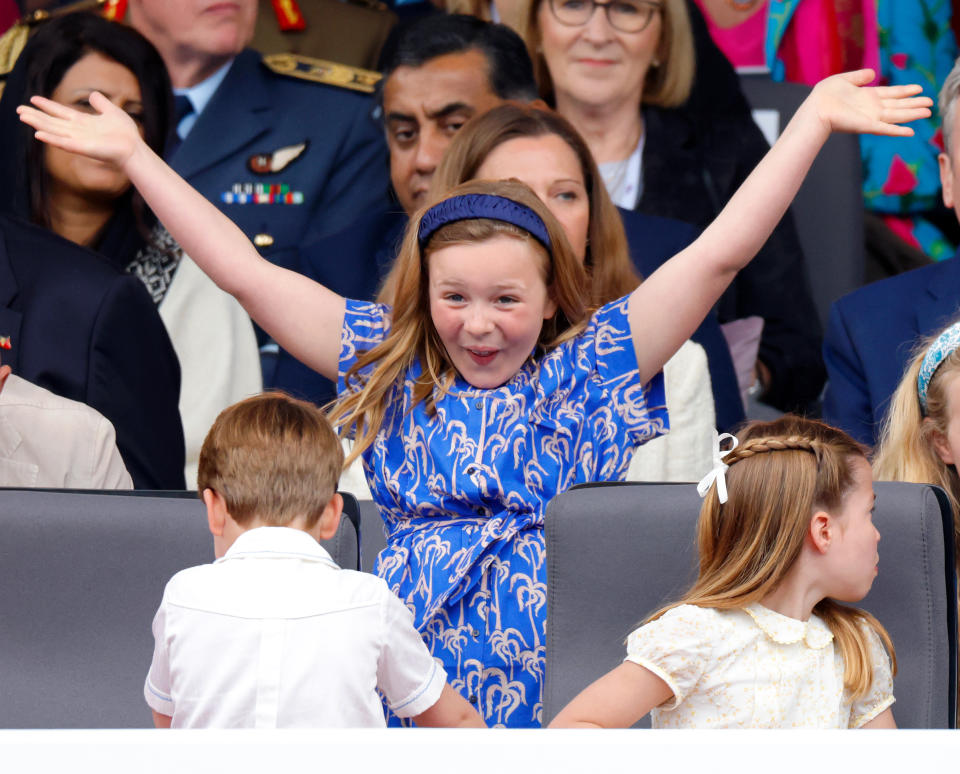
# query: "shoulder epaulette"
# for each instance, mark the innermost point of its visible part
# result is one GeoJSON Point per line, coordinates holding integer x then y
{"type": "Point", "coordinates": [322, 71]}
{"type": "Point", "coordinates": [12, 42]}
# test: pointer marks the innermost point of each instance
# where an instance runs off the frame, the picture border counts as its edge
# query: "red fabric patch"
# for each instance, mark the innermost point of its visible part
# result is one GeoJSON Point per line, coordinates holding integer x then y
{"type": "Point", "coordinates": [900, 179]}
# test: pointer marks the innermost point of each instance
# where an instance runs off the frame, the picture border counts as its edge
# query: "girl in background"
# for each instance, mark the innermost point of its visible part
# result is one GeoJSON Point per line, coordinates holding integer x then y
{"type": "Point", "coordinates": [920, 442]}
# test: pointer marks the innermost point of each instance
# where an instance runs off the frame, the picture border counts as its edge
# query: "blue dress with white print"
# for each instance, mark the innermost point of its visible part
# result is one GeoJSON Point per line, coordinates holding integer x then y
{"type": "Point", "coordinates": [463, 495]}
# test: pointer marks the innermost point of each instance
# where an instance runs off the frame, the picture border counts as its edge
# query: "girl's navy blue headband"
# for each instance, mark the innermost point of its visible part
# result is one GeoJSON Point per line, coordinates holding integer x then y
{"type": "Point", "coordinates": [469, 206]}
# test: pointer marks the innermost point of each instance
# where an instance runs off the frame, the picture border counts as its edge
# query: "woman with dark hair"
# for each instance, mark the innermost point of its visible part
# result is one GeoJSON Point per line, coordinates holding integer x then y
{"type": "Point", "coordinates": [89, 203]}
{"type": "Point", "coordinates": [81, 201]}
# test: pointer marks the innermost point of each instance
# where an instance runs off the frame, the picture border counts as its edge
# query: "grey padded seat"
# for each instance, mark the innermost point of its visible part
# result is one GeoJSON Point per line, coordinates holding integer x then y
{"type": "Point", "coordinates": [617, 552]}
{"type": "Point", "coordinates": [81, 575]}
{"type": "Point", "coordinates": [828, 209]}
{"type": "Point", "coordinates": [372, 538]}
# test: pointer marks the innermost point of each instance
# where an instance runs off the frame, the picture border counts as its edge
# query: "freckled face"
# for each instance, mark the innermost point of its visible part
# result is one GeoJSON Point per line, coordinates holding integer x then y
{"type": "Point", "coordinates": [551, 168]}
{"type": "Point", "coordinates": [488, 302]}
{"type": "Point", "coordinates": [80, 175]}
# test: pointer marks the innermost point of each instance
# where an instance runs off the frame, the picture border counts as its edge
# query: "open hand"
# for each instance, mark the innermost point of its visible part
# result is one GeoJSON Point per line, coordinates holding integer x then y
{"type": "Point", "coordinates": [846, 104]}
{"type": "Point", "coordinates": [108, 135]}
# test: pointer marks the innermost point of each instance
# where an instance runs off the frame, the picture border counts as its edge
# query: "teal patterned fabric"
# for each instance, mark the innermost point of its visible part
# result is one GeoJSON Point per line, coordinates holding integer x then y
{"type": "Point", "coordinates": [463, 495]}
{"type": "Point", "coordinates": [901, 175]}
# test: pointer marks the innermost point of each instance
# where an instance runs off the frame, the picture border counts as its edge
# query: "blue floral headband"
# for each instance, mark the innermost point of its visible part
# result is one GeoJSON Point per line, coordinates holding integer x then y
{"type": "Point", "coordinates": [469, 206]}
{"type": "Point", "coordinates": [944, 346]}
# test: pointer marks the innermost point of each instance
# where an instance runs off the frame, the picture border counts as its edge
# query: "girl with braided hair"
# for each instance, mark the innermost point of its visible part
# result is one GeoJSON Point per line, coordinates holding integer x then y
{"type": "Point", "coordinates": [760, 640]}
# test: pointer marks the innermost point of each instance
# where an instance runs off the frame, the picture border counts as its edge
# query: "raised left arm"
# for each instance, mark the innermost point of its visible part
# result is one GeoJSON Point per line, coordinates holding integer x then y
{"type": "Point", "coordinates": [669, 305]}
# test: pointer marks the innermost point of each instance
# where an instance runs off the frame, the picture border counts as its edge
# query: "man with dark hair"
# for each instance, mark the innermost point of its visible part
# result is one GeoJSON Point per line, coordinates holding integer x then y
{"type": "Point", "coordinates": [438, 73]}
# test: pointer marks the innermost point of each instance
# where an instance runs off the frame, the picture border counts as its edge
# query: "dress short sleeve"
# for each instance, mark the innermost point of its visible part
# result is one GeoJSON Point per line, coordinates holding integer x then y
{"type": "Point", "coordinates": [880, 694]}
{"type": "Point", "coordinates": [365, 325]}
{"type": "Point", "coordinates": [606, 348]}
{"type": "Point", "coordinates": [676, 648]}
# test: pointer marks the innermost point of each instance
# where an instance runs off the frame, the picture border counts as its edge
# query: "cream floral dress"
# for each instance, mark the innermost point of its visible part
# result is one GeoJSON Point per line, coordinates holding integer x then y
{"type": "Point", "coordinates": [754, 668]}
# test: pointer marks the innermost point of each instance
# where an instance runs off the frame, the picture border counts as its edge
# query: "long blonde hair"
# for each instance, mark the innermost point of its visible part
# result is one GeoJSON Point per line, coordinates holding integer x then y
{"type": "Point", "coordinates": [781, 472]}
{"type": "Point", "coordinates": [372, 380]}
{"type": "Point", "coordinates": [906, 451]}
{"type": "Point", "coordinates": [667, 84]}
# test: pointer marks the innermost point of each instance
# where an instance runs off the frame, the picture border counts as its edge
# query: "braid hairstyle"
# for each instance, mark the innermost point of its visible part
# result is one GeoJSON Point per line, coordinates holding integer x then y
{"type": "Point", "coordinates": [779, 475]}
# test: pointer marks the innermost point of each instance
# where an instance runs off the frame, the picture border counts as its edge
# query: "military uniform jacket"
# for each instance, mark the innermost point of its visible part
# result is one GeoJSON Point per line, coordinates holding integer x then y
{"type": "Point", "coordinates": [278, 154]}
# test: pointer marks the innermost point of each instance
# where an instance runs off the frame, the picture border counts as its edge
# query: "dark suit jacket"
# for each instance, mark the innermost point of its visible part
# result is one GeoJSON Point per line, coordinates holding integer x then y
{"type": "Point", "coordinates": [870, 336]}
{"type": "Point", "coordinates": [692, 165]}
{"type": "Point", "coordinates": [341, 173]}
{"type": "Point", "coordinates": [83, 330]}
{"type": "Point", "coordinates": [354, 262]}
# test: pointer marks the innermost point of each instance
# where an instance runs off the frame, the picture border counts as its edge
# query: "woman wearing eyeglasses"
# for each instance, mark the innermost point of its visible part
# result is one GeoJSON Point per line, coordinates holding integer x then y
{"type": "Point", "coordinates": [622, 71]}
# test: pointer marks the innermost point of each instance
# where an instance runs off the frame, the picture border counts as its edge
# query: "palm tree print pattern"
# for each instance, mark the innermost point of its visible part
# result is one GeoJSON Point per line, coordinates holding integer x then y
{"type": "Point", "coordinates": [463, 493]}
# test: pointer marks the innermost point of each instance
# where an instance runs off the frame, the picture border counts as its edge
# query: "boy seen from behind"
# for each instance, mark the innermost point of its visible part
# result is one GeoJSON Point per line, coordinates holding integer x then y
{"type": "Point", "coordinates": [273, 633]}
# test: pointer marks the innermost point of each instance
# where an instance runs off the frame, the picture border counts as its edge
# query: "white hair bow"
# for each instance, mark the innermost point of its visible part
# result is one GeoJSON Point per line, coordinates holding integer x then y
{"type": "Point", "coordinates": [719, 468]}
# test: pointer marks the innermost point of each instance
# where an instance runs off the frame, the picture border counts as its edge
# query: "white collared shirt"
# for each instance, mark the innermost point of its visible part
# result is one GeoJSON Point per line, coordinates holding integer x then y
{"type": "Point", "coordinates": [754, 668]}
{"type": "Point", "coordinates": [275, 635]}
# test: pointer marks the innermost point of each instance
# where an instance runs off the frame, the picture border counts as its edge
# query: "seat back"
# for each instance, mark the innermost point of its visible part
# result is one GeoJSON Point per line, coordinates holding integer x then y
{"type": "Point", "coordinates": [618, 552]}
{"type": "Point", "coordinates": [372, 537]}
{"type": "Point", "coordinates": [81, 576]}
{"type": "Point", "coordinates": [828, 209]}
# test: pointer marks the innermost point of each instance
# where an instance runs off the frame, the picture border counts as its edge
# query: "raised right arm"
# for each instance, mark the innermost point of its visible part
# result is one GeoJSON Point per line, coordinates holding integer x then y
{"type": "Point", "coordinates": [304, 317]}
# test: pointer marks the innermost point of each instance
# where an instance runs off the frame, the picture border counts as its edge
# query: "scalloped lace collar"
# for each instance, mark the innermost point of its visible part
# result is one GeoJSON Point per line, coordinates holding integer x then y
{"type": "Point", "coordinates": [786, 631]}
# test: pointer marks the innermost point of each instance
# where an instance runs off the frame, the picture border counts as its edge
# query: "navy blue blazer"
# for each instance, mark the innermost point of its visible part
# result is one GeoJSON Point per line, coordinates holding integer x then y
{"type": "Point", "coordinates": [870, 336]}
{"type": "Point", "coordinates": [82, 329]}
{"type": "Point", "coordinates": [340, 172]}
{"type": "Point", "coordinates": [354, 261]}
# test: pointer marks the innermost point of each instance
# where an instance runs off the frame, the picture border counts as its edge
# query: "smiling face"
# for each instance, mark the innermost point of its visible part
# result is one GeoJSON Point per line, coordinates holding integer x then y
{"type": "Point", "coordinates": [853, 553]}
{"type": "Point", "coordinates": [71, 173]}
{"type": "Point", "coordinates": [551, 168]}
{"type": "Point", "coordinates": [488, 301]}
{"type": "Point", "coordinates": [595, 64]}
{"type": "Point", "coordinates": [423, 107]}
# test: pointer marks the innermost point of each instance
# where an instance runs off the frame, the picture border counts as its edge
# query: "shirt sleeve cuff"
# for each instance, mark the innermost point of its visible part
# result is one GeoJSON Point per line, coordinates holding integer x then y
{"type": "Point", "coordinates": [866, 717]}
{"type": "Point", "coordinates": [157, 700]}
{"type": "Point", "coordinates": [425, 696]}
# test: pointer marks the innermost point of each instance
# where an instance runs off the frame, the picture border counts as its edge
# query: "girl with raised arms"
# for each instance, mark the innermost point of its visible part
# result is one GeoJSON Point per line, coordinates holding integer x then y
{"type": "Point", "coordinates": [491, 385]}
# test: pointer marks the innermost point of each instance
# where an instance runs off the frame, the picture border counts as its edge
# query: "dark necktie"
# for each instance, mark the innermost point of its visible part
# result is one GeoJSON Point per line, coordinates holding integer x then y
{"type": "Point", "coordinates": [182, 107]}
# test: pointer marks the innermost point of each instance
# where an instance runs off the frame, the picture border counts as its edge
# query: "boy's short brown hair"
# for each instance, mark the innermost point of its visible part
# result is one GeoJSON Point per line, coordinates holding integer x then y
{"type": "Point", "coordinates": [273, 457]}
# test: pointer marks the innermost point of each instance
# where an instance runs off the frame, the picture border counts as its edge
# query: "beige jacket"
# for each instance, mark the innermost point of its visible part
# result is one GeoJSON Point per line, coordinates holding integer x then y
{"type": "Point", "coordinates": [49, 441]}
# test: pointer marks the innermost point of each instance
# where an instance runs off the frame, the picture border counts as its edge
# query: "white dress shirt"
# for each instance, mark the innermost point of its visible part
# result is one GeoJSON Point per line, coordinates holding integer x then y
{"type": "Point", "coordinates": [754, 668]}
{"type": "Point", "coordinates": [49, 441]}
{"type": "Point", "coordinates": [275, 635]}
